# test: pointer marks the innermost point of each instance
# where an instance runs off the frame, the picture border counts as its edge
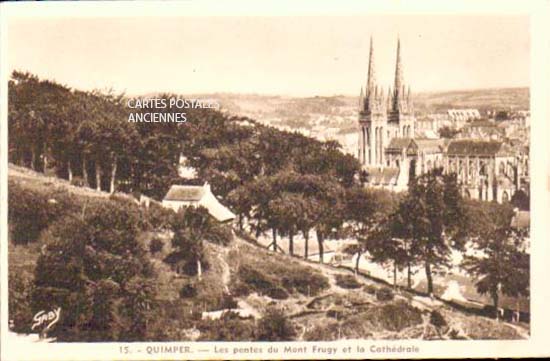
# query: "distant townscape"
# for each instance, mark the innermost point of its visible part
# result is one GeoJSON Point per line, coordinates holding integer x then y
{"type": "Point", "coordinates": [490, 156]}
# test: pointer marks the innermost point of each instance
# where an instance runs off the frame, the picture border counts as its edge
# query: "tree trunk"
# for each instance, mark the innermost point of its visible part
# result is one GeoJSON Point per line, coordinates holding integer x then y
{"type": "Point", "coordinates": [97, 176]}
{"type": "Point", "coordinates": [113, 176]}
{"type": "Point", "coordinates": [85, 170]}
{"type": "Point", "coordinates": [33, 158]}
{"type": "Point", "coordinates": [199, 269]}
{"type": "Point", "coordinates": [240, 222]}
{"type": "Point", "coordinates": [306, 238]}
{"type": "Point", "coordinates": [320, 242]}
{"type": "Point", "coordinates": [291, 244]}
{"type": "Point", "coordinates": [69, 171]}
{"type": "Point", "coordinates": [395, 274]}
{"type": "Point", "coordinates": [274, 231]}
{"type": "Point", "coordinates": [429, 278]}
{"type": "Point", "coordinates": [495, 304]}
{"type": "Point", "coordinates": [409, 280]}
{"type": "Point", "coordinates": [359, 254]}
{"type": "Point", "coordinates": [45, 163]}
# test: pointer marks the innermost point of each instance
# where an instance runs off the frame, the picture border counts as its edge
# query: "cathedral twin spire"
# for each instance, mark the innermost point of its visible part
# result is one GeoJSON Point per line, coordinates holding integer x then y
{"type": "Point", "coordinates": [397, 101]}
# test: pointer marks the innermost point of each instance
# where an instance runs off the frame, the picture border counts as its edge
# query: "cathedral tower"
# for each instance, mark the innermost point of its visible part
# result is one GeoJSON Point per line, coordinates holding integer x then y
{"type": "Point", "coordinates": [383, 118]}
{"type": "Point", "coordinates": [401, 114]}
{"type": "Point", "coordinates": [372, 118]}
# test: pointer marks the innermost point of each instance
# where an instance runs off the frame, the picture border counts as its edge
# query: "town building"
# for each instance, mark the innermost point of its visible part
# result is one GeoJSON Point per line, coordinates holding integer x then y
{"type": "Point", "coordinates": [391, 153]}
{"type": "Point", "coordinates": [179, 196]}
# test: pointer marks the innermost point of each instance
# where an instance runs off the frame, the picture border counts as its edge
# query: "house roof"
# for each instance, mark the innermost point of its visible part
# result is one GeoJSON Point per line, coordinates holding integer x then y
{"type": "Point", "coordinates": [185, 193]}
{"type": "Point", "coordinates": [203, 196]}
{"type": "Point", "coordinates": [481, 123]}
{"type": "Point", "coordinates": [475, 147]}
{"type": "Point", "coordinates": [215, 208]}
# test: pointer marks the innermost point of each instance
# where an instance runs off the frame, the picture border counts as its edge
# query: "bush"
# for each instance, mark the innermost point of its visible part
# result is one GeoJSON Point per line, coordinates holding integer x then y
{"type": "Point", "coordinates": [437, 319]}
{"type": "Point", "coordinates": [307, 282]}
{"type": "Point", "coordinates": [384, 294]}
{"type": "Point", "coordinates": [31, 211]}
{"type": "Point", "coordinates": [188, 291]}
{"type": "Point", "coordinates": [256, 280]}
{"type": "Point", "coordinates": [275, 326]}
{"type": "Point", "coordinates": [78, 182]}
{"type": "Point", "coordinates": [87, 268]}
{"type": "Point", "coordinates": [156, 245]}
{"type": "Point", "coordinates": [347, 281]}
{"type": "Point", "coordinates": [241, 289]}
{"type": "Point", "coordinates": [261, 283]}
{"type": "Point", "coordinates": [224, 302]}
{"type": "Point", "coordinates": [186, 262]}
{"type": "Point", "coordinates": [277, 293]}
{"type": "Point", "coordinates": [20, 312]}
{"type": "Point", "coordinates": [400, 315]}
{"type": "Point", "coordinates": [159, 217]}
{"type": "Point", "coordinates": [228, 328]}
{"type": "Point", "coordinates": [370, 289]}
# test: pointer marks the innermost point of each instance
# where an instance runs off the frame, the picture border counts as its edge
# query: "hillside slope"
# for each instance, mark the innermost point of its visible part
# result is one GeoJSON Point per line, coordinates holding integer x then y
{"type": "Point", "coordinates": [320, 301]}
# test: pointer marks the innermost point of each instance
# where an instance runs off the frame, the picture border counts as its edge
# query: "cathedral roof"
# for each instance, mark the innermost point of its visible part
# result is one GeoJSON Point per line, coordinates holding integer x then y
{"type": "Point", "coordinates": [399, 143]}
{"type": "Point", "coordinates": [382, 176]}
{"type": "Point", "coordinates": [433, 145]}
{"type": "Point", "coordinates": [476, 147]}
{"type": "Point", "coordinates": [423, 144]}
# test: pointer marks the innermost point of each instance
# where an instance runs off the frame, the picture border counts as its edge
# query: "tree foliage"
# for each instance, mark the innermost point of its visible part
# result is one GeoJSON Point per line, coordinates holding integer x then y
{"type": "Point", "coordinates": [94, 268]}
{"type": "Point", "coordinates": [501, 265]}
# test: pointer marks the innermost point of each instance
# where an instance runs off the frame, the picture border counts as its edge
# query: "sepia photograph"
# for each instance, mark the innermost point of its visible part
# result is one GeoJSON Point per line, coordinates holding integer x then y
{"type": "Point", "coordinates": [308, 181]}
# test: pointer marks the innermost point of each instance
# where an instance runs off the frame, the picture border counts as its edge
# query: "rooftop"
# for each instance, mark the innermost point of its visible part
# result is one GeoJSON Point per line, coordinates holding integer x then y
{"type": "Point", "coordinates": [384, 175]}
{"type": "Point", "coordinates": [399, 143]}
{"type": "Point", "coordinates": [475, 147]}
{"type": "Point", "coordinates": [185, 193]}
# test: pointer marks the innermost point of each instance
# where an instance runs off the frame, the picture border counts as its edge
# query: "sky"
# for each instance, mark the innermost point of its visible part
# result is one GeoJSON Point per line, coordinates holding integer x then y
{"type": "Point", "coordinates": [290, 55]}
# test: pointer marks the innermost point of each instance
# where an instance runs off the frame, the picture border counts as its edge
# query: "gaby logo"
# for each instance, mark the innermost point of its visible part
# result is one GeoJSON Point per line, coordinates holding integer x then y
{"type": "Point", "coordinates": [50, 318]}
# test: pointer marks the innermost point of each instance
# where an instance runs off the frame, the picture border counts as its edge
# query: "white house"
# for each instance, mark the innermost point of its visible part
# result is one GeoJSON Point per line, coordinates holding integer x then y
{"type": "Point", "coordinates": [185, 195]}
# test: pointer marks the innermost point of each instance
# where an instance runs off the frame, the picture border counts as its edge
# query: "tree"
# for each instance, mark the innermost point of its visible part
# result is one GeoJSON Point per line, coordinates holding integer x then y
{"type": "Point", "coordinates": [393, 240]}
{"type": "Point", "coordinates": [365, 209]}
{"type": "Point", "coordinates": [286, 212]}
{"type": "Point", "coordinates": [504, 267]}
{"type": "Point", "coordinates": [383, 246]}
{"type": "Point", "coordinates": [502, 263]}
{"type": "Point", "coordinates": [448, 132]}
{"type": "Point", "coordinates": [330, 215]}
{"type": "Point", "coordinates": [521, 200]}
{"type": "Point", "coordinates": [274, 326]}
{"type": "Point", "coordinates": [87, 264]}
{"type": "Point", "coordinates": [306, 221]}
{"type": "Point", "coordinates": [192, 226]}
{"type": "Point", "coordinates": [241, 202]}
{"type": "Point", "coordinates": [436, 216]}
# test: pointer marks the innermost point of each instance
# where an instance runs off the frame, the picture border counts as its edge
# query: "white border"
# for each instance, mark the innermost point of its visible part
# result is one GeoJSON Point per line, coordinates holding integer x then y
{"type": "Point", "coordinates": [539, 10]}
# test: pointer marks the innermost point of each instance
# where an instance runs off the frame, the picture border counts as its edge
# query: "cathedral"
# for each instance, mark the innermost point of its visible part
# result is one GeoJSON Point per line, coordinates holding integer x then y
{"type": "Point", "coordinates": [383, 119]}
{"type": "Point", "coordinates": [391, 154]}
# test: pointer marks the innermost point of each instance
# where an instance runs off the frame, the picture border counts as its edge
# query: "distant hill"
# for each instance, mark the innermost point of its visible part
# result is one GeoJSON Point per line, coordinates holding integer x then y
{"type": "Point", "coordinates": [482, 99]}
{"type": "Point", "coordinates": [340, 111]}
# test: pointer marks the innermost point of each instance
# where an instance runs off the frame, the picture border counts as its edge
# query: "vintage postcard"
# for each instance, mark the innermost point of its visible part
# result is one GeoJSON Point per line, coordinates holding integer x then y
{"type": "Point", "coordinates": [274, 180]}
